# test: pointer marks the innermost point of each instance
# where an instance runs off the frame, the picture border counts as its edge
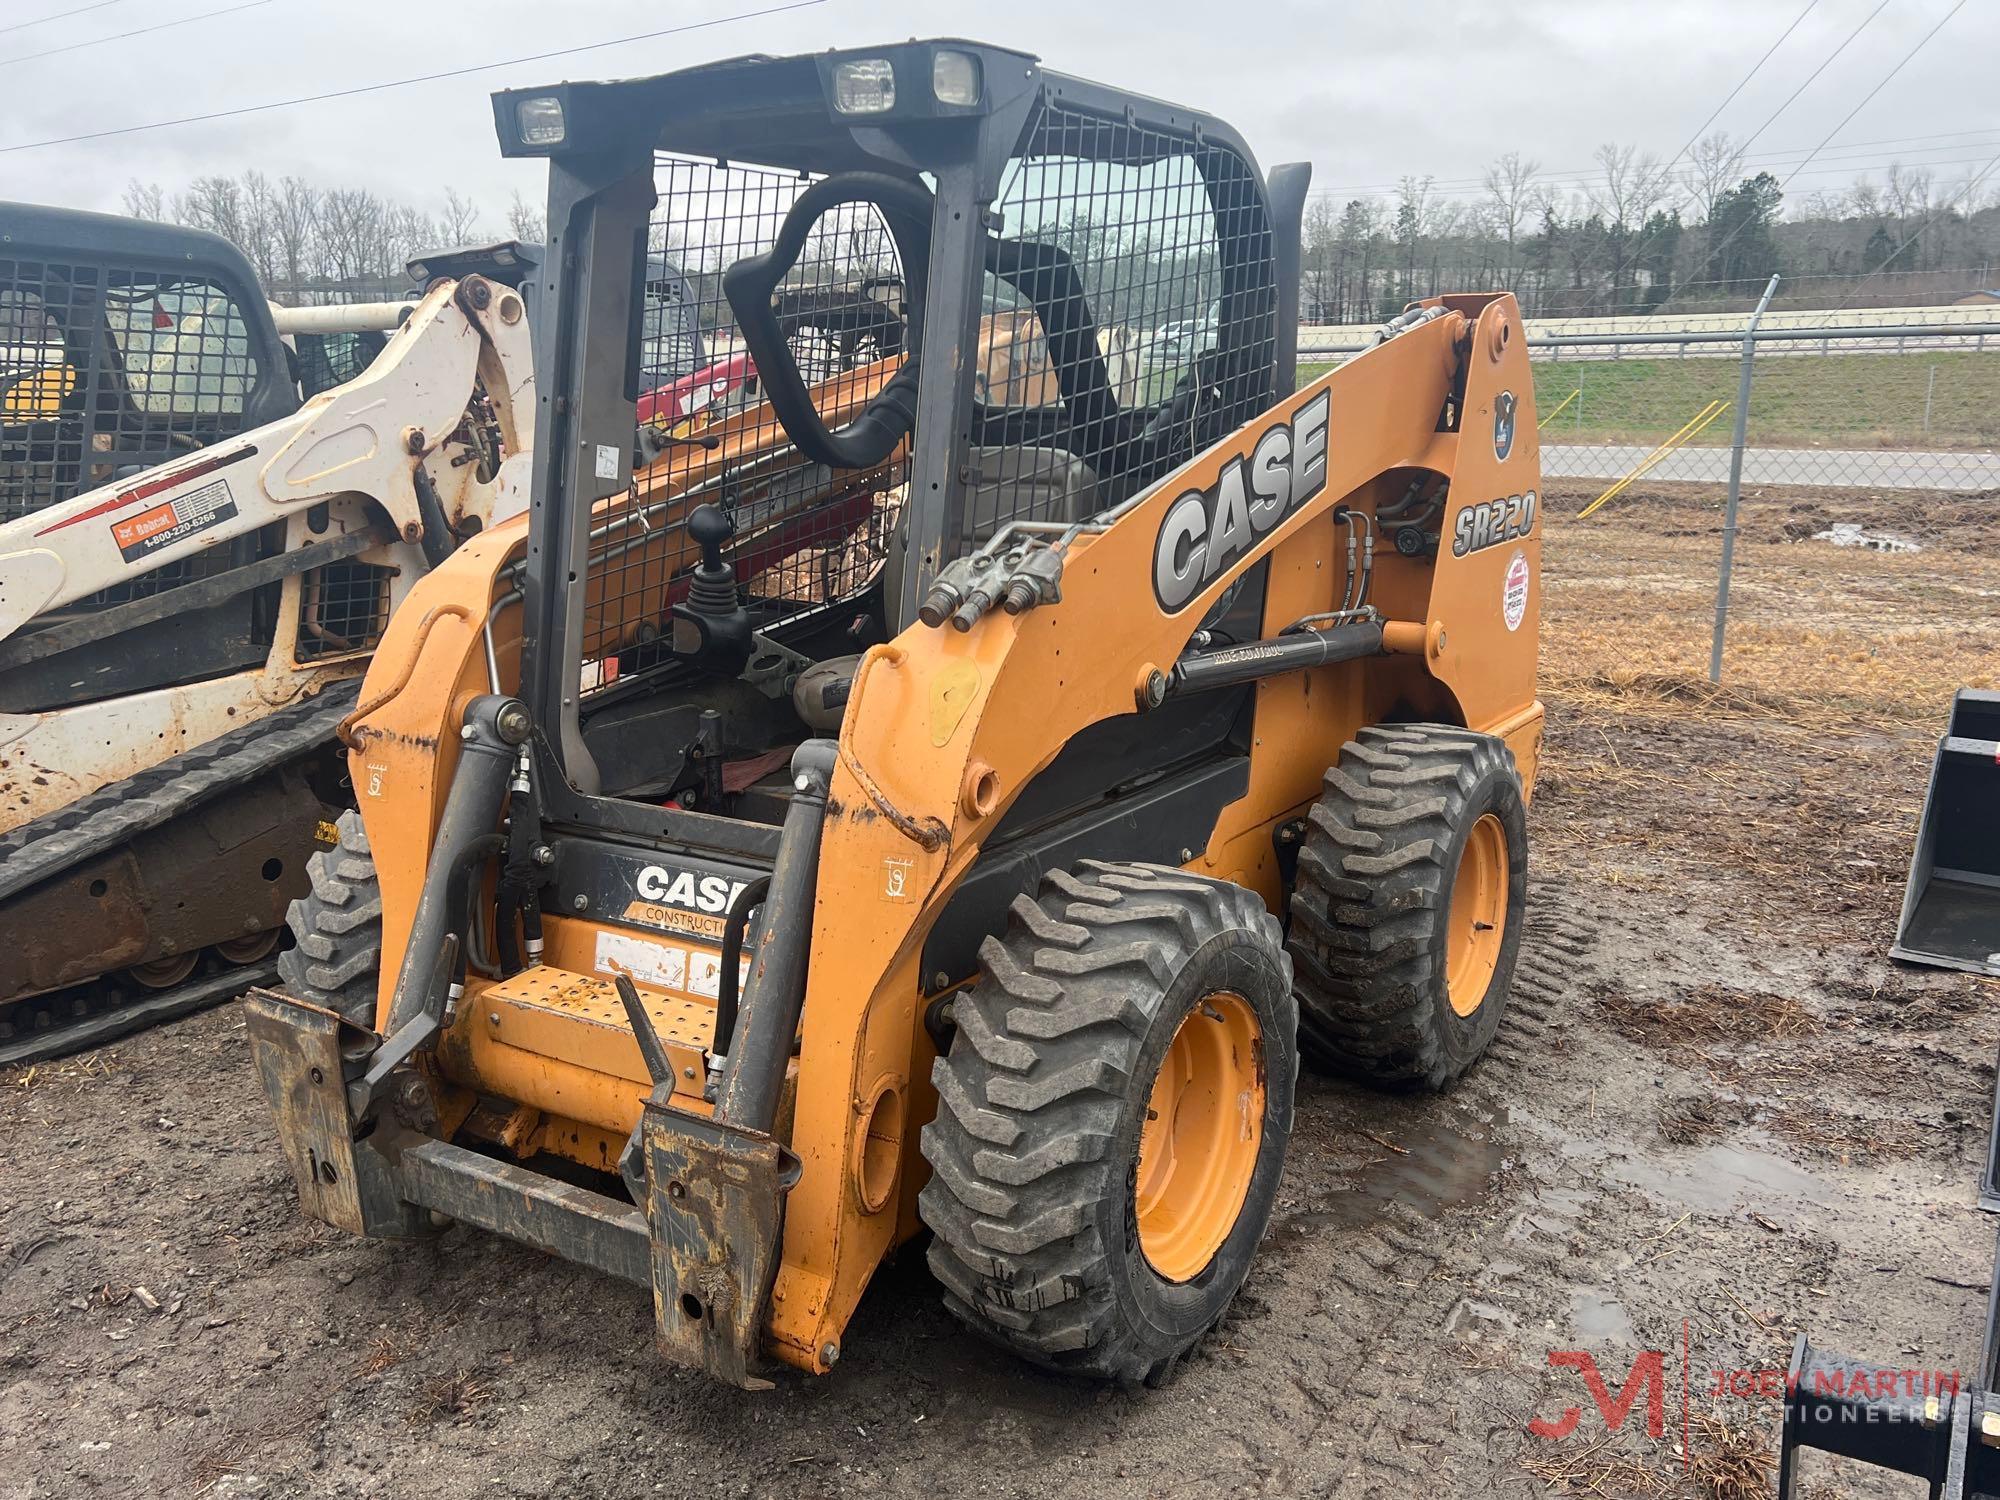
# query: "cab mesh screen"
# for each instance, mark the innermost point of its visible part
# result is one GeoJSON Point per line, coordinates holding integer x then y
{"type": "Point", "coordinates": [105, 371]}
{"type": "Point", "coordinates": [1128, 317]}
{"type": "Point", "coordinates": [807, 537]}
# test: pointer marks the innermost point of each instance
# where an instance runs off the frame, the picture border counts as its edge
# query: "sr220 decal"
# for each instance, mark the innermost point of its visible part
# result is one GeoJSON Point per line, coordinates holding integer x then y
{"type": "Point", "coordinates": [1493, 522]}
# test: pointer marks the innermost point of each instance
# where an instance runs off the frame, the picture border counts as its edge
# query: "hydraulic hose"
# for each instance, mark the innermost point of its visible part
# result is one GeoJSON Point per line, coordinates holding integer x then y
{"type": "Point", "coordinates": [729, 981]}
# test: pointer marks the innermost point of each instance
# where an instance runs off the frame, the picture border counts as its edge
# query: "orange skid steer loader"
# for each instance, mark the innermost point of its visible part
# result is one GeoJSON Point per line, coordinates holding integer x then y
{"type": "Point", "coordinates": [925, 799]}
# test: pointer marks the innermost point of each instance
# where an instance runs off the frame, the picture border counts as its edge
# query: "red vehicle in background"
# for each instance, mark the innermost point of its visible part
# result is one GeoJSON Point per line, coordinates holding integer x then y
{"type": "Point", "coordinates": [713, 385]}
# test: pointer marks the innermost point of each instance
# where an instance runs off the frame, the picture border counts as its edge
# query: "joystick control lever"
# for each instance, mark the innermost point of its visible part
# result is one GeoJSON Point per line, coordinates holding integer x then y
{"type": "Point", "coordinates": [711, 628]}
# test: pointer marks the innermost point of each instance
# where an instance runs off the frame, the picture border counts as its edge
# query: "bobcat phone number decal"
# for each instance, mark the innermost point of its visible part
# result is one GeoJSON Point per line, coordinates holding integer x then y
{"type": "Point", "coordinates": [1493, 522]}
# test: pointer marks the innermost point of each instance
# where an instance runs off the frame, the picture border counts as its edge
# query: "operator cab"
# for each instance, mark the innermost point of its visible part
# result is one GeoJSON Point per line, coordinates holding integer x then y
{"type": "Point", "coordinates": [946, 274]}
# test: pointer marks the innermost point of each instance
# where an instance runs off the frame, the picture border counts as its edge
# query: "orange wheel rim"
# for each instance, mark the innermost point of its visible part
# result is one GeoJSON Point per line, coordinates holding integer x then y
{"type": "Point", "coordinates": [1476, 920]}
{"type": "Point", "coordinates": [1198, 1147]}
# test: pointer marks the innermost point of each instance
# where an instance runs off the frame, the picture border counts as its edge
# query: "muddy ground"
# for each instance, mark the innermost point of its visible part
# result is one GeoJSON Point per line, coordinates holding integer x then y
{"type": "Point", "coordinates": [1715, 1116]}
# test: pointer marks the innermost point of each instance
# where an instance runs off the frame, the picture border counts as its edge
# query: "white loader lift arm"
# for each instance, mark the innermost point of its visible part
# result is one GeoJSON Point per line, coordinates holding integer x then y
{"type": "Point", "coordinates": [343, 475]}
{"type": "Point", "coordinates": [380, 437]}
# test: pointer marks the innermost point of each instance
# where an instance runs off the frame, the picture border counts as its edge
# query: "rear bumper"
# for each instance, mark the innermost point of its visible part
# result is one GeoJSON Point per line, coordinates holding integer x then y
{"type": "Point", "coordinates": [705, 1241]}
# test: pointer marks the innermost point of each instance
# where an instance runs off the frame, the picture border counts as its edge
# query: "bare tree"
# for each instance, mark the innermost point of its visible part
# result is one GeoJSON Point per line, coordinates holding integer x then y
{"type": "Point", "coordinates": [259, 226]}
{"type": "Point", "coordinates": [145, 200]}
{"type": "Point", "coordinates": [1355, 245]}
{"type": "Point", "coordinates": [458, 222]}
{"type": "Point", "coordinates": [214, 203]}
{"type": "Point", "coordinates": [1715, 162]}
{"type": "Point", "coordinates": [1510, 190]}
{"type": "Point", "coordinates": [1413, 211]}
{"type": "Point", "coordinates": [1633, 184]}
{"type": "Point", "coordinates": [1909, 194]}
{"type": "Point", "coordinates": [1319, 260]}
{"type": "Point", "coordinates": [354, 228]}
{"type": "Point", "coordinates": [525, 221]}
{"type": "Point", "coordinates": [411, 234]}
{"type": "Point", "coordinates": [295, 227]}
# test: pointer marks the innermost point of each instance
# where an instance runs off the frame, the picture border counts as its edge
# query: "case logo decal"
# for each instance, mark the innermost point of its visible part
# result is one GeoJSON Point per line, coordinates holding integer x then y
{"type": "Point", "coordinates": [1207, 530]}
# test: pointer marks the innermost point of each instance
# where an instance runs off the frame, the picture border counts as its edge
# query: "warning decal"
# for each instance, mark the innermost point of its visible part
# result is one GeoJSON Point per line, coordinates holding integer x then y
{"type": "Point", "coordinates": [652, 963]}
{"type": "Point", "coordinates": [176, 520]}
{"type": "Point", "coordinates": [1514, 598]}
{"type": "Point", "coordinates": [671, 967]}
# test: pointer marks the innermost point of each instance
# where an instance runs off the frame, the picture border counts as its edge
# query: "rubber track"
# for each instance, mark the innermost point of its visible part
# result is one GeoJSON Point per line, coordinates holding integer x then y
{"type": "Point", "coordinates": [58, 1035]}
{"type": "Point", "coordinates": [111, 815]}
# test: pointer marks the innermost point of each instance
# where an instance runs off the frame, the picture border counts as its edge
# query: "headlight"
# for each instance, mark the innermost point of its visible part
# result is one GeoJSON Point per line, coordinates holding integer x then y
{"type": "Point", "coordinates": [864, 86]}
{"type": "Point", "coordinates": [955, 78]}
{"type": "Point", "coordinates": [540, 121]}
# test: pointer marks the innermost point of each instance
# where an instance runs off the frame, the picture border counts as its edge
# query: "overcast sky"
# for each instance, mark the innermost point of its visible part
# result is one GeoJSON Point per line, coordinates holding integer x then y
{"type": "Point", "coordinates": [1366, 91]}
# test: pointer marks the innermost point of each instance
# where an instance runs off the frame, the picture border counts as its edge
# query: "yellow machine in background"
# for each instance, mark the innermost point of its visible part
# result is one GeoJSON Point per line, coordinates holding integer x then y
{"type": "Point", "coordinates": [931, 799]}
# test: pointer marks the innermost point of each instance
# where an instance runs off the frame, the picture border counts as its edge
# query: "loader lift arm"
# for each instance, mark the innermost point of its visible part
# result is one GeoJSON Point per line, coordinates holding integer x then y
{"type": "Point", "coordinates": [379, 436]}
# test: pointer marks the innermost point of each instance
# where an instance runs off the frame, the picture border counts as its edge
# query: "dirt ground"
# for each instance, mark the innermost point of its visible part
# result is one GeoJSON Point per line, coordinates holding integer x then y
{"type": "Point", "coordinates": [1716, 1115]}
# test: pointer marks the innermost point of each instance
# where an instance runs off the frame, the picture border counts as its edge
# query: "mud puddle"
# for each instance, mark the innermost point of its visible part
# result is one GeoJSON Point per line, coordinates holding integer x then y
{"type": "Point", "coordinates": [1444, 1162]}
{"type": "Point", "coordinates": [1721, 1180]}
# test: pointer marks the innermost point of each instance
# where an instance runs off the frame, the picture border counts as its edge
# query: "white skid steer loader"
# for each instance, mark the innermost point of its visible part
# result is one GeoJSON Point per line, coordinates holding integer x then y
{"type": "Point", "coordinates": [194, 570]}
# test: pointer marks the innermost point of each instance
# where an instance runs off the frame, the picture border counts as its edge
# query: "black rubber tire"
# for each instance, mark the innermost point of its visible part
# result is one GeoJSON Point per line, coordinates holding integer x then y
{"type": "Point", "coordinates": [1041, 1098]}
{"type": "Point", "coordinates": [1368, 909]}
{"type": "Point", "coordinates": [337, 928]}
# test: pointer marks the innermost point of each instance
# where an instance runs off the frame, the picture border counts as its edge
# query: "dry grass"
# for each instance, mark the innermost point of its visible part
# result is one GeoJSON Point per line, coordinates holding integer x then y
{"type": "Point", "coordinates": [1844, 1137]}
{"type": "Point", "coordinates": [1598, 1469]}
{"type": "Point", "coordinates": [384, 1354]}
{"type": "Point", "coordinates": [1796, 783]}
{"type": "Point", "coordinates": [1698, 1120]}
{"type": "Point", "coordinates": [1730, 1461]}
{"type": "Point", "coordinates": [1820, 636]}
{"type": "Point", "coordinates": [1714, 1013]}
{"type": "Point", "coordinates": [450, 1397]}
{"type": "Point", "coordinates": [237, 1449]}
{"type": "Point", "coordinates": [1724, 1460]}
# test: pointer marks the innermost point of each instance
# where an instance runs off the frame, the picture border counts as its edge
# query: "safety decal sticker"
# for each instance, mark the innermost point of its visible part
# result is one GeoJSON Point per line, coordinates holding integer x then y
{"type": "Point", "coordinates": [173, 521]}
{"type": "Point", "coordinates": [705, 974]}
{"type": "Point", "coordinates": [652, 963]}
{"type": "Point", "coordinates": [1514, 596]}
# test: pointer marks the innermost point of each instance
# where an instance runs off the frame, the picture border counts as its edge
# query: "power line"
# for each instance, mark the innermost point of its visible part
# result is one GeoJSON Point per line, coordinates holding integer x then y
{"type": "Point", "coordinates": [1810, 6]}
{"type": "Point", "coordinates": [1924, 41]}
{"type": "Point", "coordinates": [1921, 44]}
{"type": "Point", "coordinates": [1866, 21]}
{"type": "Point", "coordinates": [61, 15]}
{"type": "Point", "coordinates": [1803, 86]}
{"type": "Point", "coordinates": [1646, 240]}
{"type": "Point", "coordinates": [208, 15]}
{"type": "Point", "coordinates": [398, 83]}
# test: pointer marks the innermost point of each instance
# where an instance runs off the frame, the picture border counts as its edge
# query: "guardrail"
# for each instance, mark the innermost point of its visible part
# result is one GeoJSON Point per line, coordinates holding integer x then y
{"type": "Point", "coordinates": [1934, 335]}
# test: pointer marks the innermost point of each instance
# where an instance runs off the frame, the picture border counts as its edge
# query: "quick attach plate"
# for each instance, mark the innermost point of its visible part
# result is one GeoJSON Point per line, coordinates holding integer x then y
{"type": "Point", "coordinates": [716, 1207]}
{"type": "Point", "coordinates": [302, 1053]}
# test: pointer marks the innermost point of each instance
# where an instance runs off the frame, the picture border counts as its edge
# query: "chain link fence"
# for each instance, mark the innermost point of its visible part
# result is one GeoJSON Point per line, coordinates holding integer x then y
{"type": "Point", "coordinates": [1872, 417]}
